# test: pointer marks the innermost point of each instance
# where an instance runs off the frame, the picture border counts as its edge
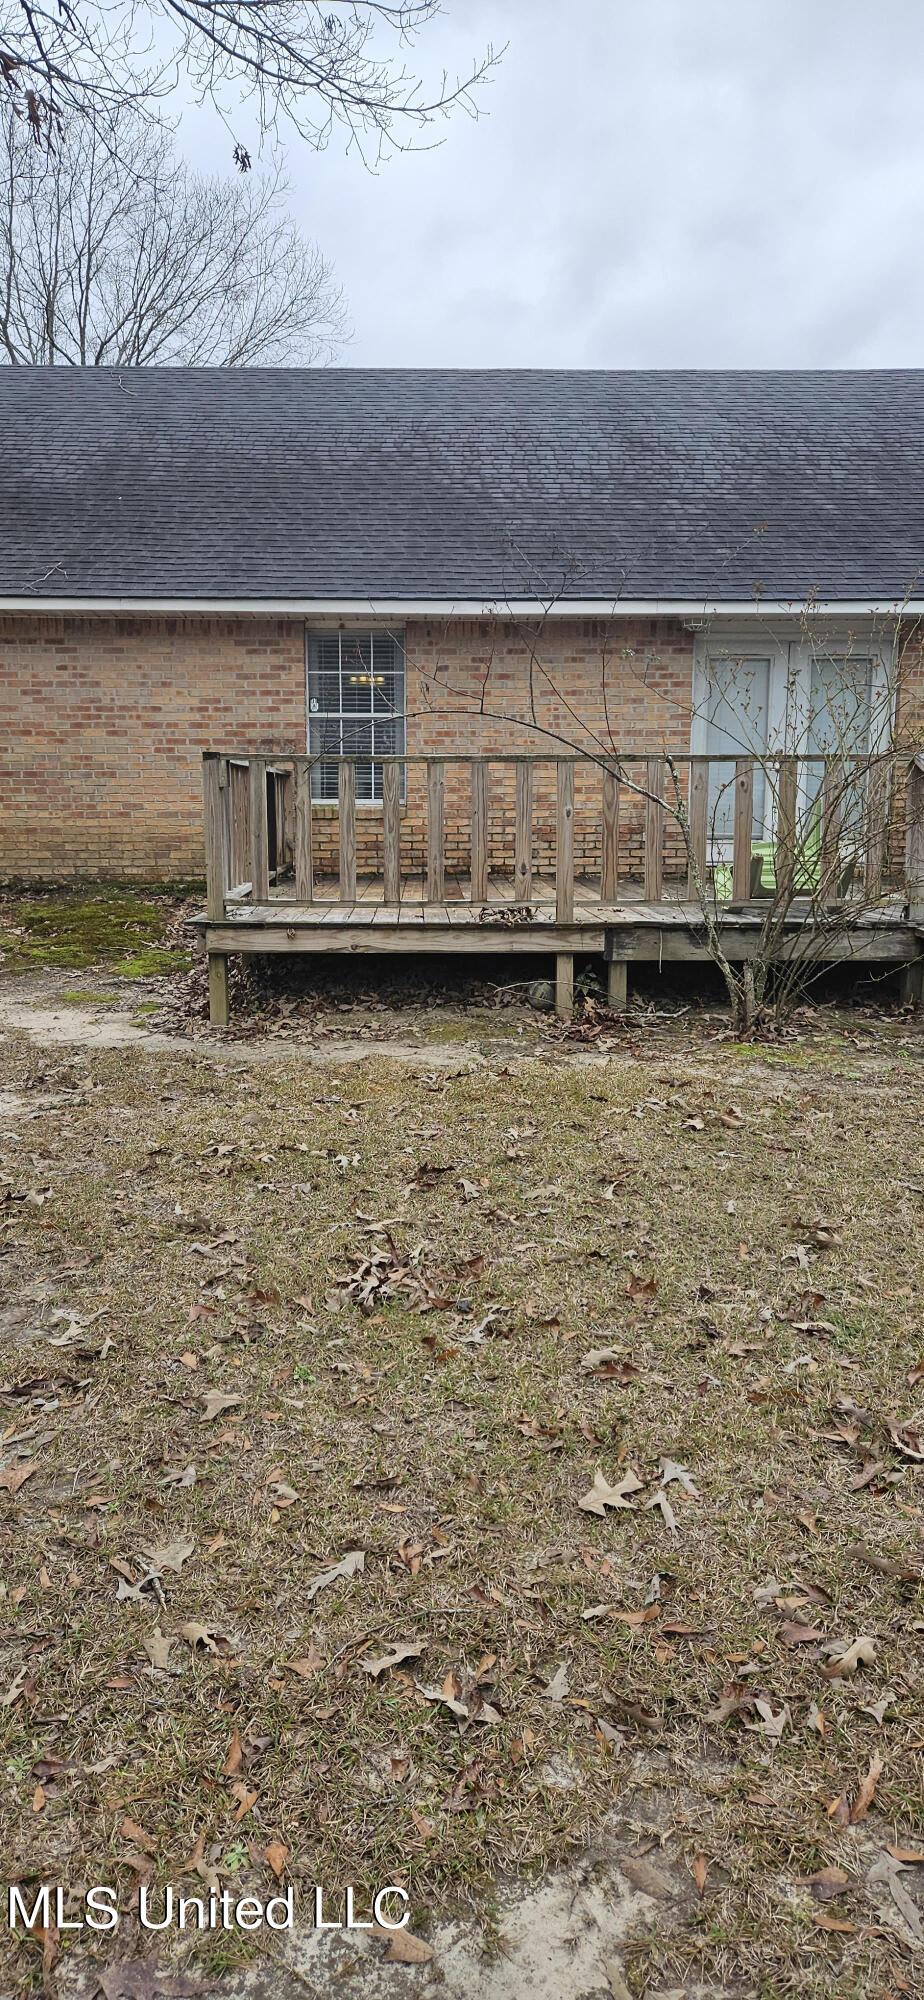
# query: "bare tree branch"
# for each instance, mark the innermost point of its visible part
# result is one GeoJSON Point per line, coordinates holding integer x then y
{"type": "Point", "coordinates": [312, 64]}
{"type": "Point", "coordinates": [113, 252]}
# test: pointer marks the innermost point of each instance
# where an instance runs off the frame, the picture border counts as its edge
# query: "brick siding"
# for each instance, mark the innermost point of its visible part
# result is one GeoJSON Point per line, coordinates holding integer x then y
{"type": "Point", "coordinates": [103, 721]}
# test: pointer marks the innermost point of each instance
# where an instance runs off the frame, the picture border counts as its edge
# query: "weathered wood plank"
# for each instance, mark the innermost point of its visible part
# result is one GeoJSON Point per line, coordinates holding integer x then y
{"type": "Point", "coordinates": [617, 985]}
{"type": "Point", "coordinates": [786, 806]}
{"type": "Point", "coordinates": [654, 829]}
{"type": "Point", "coordinates": [304, 864]}
{"type": "Point", "coordinates": [523, 833]}
{"type": "Point", "coordinates": [346, 803]}
{"type": "Point", "coordinates": [218, 988]}
{"type": "Point", "coordinates": [391, 832]}
{"type": "Point", "coordinates": [609, 869]}
{"type": "Point", "coordinates": [479, 831]}
{"type": "Point", "coordinates": [743, 829]}
{"type": "Point", "coordinates": [436, 793]}
{"type": "Point", "coordinates": [564, 842]}
{"type": "Point", "coordinates": [259, 832]}
{"type": "Point", "coordinates": [215, 798]}
{"type": "Point", "coordinates": [564, 985]}
{"type": "Point", "coordinates": [832, 810]}
{"type": "Point", "coordinates": [914, 841]}
{"type": "Point", "coordinates": [698, 808]}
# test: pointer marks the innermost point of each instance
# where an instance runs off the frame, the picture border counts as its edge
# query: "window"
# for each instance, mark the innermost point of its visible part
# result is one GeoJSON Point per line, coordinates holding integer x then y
{"type": "Point", "coordinates": [355, 707]}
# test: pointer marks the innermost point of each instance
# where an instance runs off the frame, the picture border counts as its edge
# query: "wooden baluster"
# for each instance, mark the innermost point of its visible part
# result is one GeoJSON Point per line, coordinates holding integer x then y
{"type": "Point", "coordinates": [346, 806]}
{"type": "Point", "coordinates": [654, 830]}
{"type": "Point", "coordinates": [523, 834]}
{"type": "Point", "coordinates": [479, 837]}
{"type": "Point", "coordinates": [564, 843]}
{"type": "Point", "coordinates": [831, 808]}
{"type": "Point", "coordinates": [743, 830]}
{"type": "Point", "coordinates": [391, 830]}
{"type": "Point", "coordinates": [214, 793]}
{"type": "Point", "coordinates": [914, 840]}
{"type": "Point", "coordinates": [786, 806]}
{"type": "Point", "coordinates": [259, 832]}
{"type": "Point", "coordinates": [304, 860]}
{"type": "Point", "coordinates": [436, 791]}
{"type": "Point", "coordinates": [698, 808]}
{"type": "Point", "coordinates": [609, 860]}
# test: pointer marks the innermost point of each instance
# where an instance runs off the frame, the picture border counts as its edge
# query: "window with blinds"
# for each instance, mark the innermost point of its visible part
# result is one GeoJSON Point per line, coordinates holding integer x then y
{"type": "Point", "coordinates": [355, 708]}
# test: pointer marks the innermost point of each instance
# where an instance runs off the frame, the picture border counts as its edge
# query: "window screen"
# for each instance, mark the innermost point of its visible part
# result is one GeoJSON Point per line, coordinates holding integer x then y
{"type": "Point", "coordinates": [355, 707]}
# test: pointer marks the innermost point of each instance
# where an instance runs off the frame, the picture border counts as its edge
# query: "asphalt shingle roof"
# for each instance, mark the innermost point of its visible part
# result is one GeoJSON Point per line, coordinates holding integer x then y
{"type": "Point", "coordinates": [460, 484]}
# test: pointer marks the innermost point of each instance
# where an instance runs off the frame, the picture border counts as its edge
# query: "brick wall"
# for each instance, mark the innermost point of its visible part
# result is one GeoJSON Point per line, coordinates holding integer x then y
{"type": "Point", "coordinates": [103, 721]}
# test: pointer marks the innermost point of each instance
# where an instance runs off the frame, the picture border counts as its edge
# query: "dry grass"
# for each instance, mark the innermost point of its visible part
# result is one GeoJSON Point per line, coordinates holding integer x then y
{"type": "Point", "coordinates": [193, 1226]}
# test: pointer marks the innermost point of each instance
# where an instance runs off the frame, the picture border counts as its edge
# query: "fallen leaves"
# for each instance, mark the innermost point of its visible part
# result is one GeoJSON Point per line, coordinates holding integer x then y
{"type": "Point", "coordinates": [602, 1495]}
{"type": "Point", "coordinates": [14, 1478]}
{"type": "Point", "coordinates": [210, 1636]}
{"type": "Point", "coordinates": [352, 1564]}
{"type": "Point", "coordinates": [214, 1404]}
{"type": "Point", "coordinates": [395, 1657]}
{"type": "Point", "coordinates": [846, 1659]}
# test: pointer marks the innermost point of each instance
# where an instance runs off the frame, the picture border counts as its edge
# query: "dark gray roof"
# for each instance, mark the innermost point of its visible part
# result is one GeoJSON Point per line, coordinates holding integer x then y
{"type": "Point", "coordinates": [475, 484]}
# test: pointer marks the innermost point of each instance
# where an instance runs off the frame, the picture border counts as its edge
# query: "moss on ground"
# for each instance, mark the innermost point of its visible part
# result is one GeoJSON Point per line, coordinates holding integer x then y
{"type": "Point", "coordinates": [123, 929]}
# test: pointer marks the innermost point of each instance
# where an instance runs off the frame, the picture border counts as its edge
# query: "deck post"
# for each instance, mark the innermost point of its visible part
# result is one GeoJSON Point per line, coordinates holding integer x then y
{"type": "Point", "coordinates": [218, 988]}
{"type": "Point", "coordinates": [523, 833]}
{"type": "Point", "coordinates": [564, 985]}
{"type": "Point", "coordinates": [346, 815]}
{"type": "Point", "coordinates": [911, 986]}
{"type": "Point", "coordinates": [216, 834]}
{"type": "Point", "coordinates": [914, 840]}
{"type": "Point", "coordinates": [436, 790]}
{"type": "Point", "coordinates": [479, 833]}
{"type": "Point", "coordinates": [617, 985]}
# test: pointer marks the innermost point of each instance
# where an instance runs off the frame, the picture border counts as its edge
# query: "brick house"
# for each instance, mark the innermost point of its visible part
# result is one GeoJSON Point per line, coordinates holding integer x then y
{"type": "Point", "coordinates": [371, 561]}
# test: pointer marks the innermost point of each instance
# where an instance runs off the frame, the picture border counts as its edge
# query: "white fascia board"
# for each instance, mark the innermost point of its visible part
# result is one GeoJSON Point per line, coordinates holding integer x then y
{"type": "Point", "coordinates": [421, 607]}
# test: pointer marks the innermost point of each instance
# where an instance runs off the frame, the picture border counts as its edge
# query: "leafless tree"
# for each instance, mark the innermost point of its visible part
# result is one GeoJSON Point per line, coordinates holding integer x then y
{"type": "Point", "coordinates": [113, 252]}
{"type": "Point", "coordinates": [311, 63]}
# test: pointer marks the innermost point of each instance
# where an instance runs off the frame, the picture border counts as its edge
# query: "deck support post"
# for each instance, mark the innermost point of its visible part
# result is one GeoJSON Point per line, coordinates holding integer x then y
{"type": "Point", "coordinates": [912, 984]}
{"type": "Point", "coordinates": [564, 985]}
{"type": "Point", "coordinates": [218, 988]}
{"type": "Point", "coordinates": [617, 985]}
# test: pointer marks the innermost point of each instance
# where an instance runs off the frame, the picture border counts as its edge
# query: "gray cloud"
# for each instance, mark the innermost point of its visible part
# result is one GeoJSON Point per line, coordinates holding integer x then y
{"type": "Point", "coordinates": [655, 183]}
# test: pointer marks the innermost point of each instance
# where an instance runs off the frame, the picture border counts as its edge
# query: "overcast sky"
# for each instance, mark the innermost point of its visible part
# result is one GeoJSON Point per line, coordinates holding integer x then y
{"type": "Point", "coordinates": [653, 183]}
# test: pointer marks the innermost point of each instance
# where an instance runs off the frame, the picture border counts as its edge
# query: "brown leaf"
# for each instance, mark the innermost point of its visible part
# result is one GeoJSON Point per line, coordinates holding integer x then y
{"type": "Point", "coordinates": [309, 1664]}
{"type": "Point", "coordinates": [235, 1756]}
{"type": "Point", "coordinates": [827, 1883]}
{"type": "Point", "coordinates": [245, 1798]}
{"type": "Point", "coordinates": [847, 1660]}
{"type": "Point", "coordinates": [403, 1947]}
{"type": "Point", "coordinates": [794, 1634]}
{"type": "Point", "coordinates": [277, 1854]}
{"type": "Point", "coordinates": [699, 1869]}
{"type": "Point", "coordinates": [171, 1555]}
{"type": "Point", "coordinates": [214, 1403]}
{"type": "Point", "coordinates": [210, 1636]}
{"type": "Point", "coordinates": [602, 1495]}
{"type": "Point", "coordinates": [130, 1830]}
{"type": "Point", "coordinates": [157, 1645]}
{"type": "Point", "coordinates": [351, 1563]}
{"type": "Point", "coordinates": [15, 1477]}
{"type": "Point", "coordinates": [866, 1793]}
{"type": "Point", "coordinates": [393, 1658]}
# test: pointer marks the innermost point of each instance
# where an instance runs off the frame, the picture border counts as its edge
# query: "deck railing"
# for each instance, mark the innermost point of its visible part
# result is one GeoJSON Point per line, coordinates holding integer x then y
{"type": "Point", "coordinates": [266, 836]}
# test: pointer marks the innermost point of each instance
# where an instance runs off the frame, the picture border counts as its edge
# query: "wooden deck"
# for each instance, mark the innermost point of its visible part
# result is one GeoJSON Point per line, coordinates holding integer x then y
{"type": "Point", "coordinates": [268, 894]}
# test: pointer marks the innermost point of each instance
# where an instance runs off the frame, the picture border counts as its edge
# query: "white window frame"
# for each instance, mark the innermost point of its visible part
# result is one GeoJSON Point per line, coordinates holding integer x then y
{"type": "Point", "coordinates": [396, 717]}
{"type": "Point", "coordinates": [789, 697]}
